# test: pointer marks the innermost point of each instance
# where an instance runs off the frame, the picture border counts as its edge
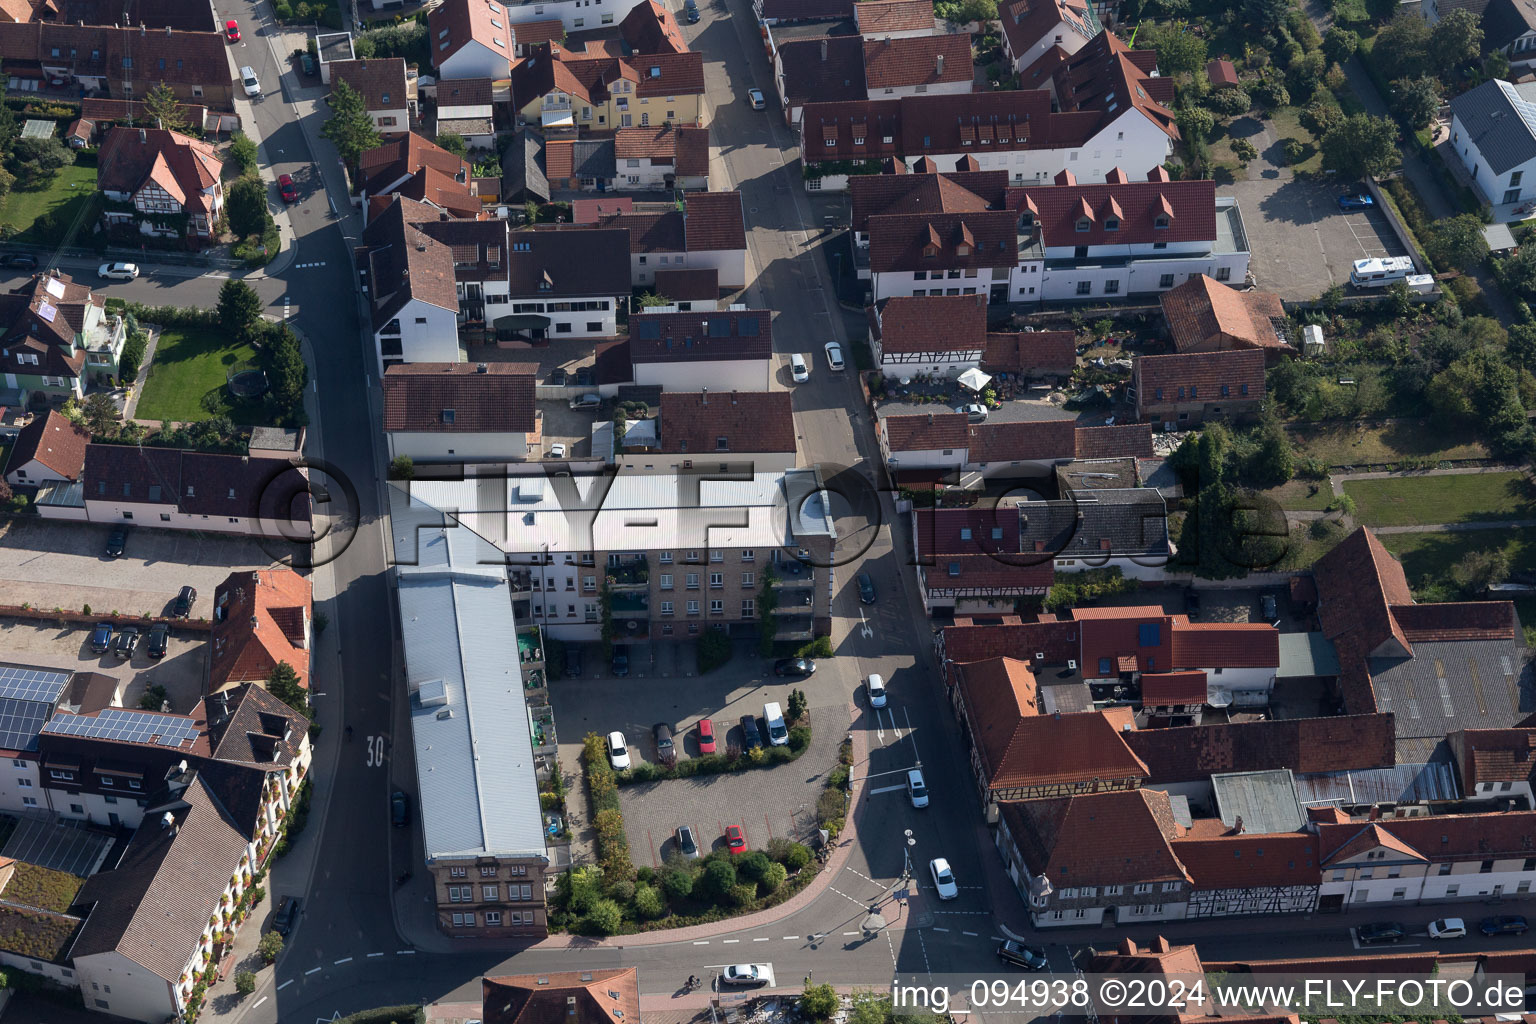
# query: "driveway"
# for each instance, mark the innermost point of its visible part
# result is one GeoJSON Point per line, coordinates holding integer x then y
{"type": "Point", "coordinates": [62, 565]}
{"type": "Point", "coordinates": [182, 670]}
{"type": "Point", "coordinates": [1301, 243]}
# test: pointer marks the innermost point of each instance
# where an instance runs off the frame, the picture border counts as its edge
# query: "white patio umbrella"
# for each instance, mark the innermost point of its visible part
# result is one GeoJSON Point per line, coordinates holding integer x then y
{"type": "Point", "coordinates": [974, 379]}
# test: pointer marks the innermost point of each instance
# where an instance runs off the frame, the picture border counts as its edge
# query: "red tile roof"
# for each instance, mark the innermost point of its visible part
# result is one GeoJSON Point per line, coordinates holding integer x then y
{"type": "Point", "coordinates": [379, 80]}
{"type": "Point", "coordinates": [747, 421]}
{"type": "Point", "coordinates": [958, 192]}
{"type": "Point", "coordinates": [1023, 441]}
{"type": "Point", "coordinates": [179, 58]}
{"type": "Point", "coordinates": [1304, 745]}
{"type": "Point", "coordinates": [466, 20]}
{"type": "Point", "coordinates": [1133, 440]}
{"type": "Point", "coordinates": [650, 28]}
{"type": "Point", "coordinates": [1106, 75]}
{"type": "Point", "coordinates": [1225, 645]}
{"type": "Point", "coordinates": [131, 158]}
{"type": "Point", "coordinates": [875, 17]}
{"type": "Point", "coordinates": [1117, 838]}
{"type": "Point", "coordinates": [1205, 315]}
{"type": "Point", "coordinates": [1135, 206]}
{"type": "Point", "coordinates": [933, 323]}
{"type": "Point", "coordinates": [1076, 747]}
{"type": "Point", "coordinates": [714, 221]}
{"type": "Point", "coordinates": [689, 285]}
{"type": "Point", "coordinates": [686, 147]}
{"type": "Point", "coordinates": [1250, 861]}
{"type": "Point", "coordinates": [806, 10]}
{"type": "Point", "coordinates": [824, 68]}
{"type": "Point", "coordinates": [1221, 72]}
{"type": "Point", "coordinates": [998, 693]}
{"type": "Point", "coordinates": [559, 157]}
{"type": "Point", "coordinates": [1110, 634]}
{"type": "Point", "coordinates": [259, 619]}
{"type": "Point", "coordinates": [668, 74]}
{"type": "Point", "coordinates": [930, 432]}
{"type": "Point", "coordinates": [429, 172]}
{"type": "Point", "coordinates": [1167, 380]}
{"type": "Point", "coordinates": [917, 60]}
{"type": "Point", "coordinates": [1467, 620]}
{"type": "Point", "coordinates": [1026, 22]}
{"type": "Point", "coordinates": [1439, 838]}
{"type": "Point", "coordinates": [990, 573]}
{"type": "Point", "coordinates": [610, 996]}
{"type": "Point", "coordinates": [903, 242]}
{"type": "Point", "coordinates": [590, 211]}
{"type": "Point", "coordinates": [1494, 755]}
{"type": "Point", "coordinates": [421, 396]}
{"type": "Point", "coordinates": [1358, 582]}
{"type": "Point", "coordinates": [1159, 689]}
{"type": "Point", "coordinates": [55, 442]}
{"type": "Point", "coordinates": [1057, 641]}
{"type": "Point", "coordinates": [735, 334]}
{"type": "Point", "coordinates": [1031, 354]}
{"type": "Point", "coordinates": [533, 33]}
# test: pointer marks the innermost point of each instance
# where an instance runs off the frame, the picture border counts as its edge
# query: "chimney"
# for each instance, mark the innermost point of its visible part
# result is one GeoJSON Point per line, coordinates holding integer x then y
{"type": "Point", "coordinates": [930, 419]}
{"type": "Point", "coordinates": [167, 30]}
{"type": "Point", "coordinates": [143, 137]}
{"type": "Point", "coordinates": [1056, 715]}
{"type": "Point", "coordinates": [167, 819]}
{"type": "Point", "coordinates": [1160, 945]}
{"type": "Point", "coordinates": [142, 29]}
{"type": "Point", "coordinates": [733, 397]}
{"type": "Point", "coordinates": [253, 622]}
{"type": "Point", "coordinates": [823, 49]}
{"type": "Point", "coordinates": [1375, 813]}
{"type": "Point", "coordinates": [1127, 946]}
{"type": "Point", "coordinates": [1237, 826]}
{"type": "Point", "coordinates": [704, 396]}
{"type": "Point", "coordinates": [482, 367]}
{"type": "Point", "coordinates": [938, 64]}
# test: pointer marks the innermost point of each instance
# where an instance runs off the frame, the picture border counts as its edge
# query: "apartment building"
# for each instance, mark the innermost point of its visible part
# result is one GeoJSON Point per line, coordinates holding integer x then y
{"type": "Point", "coordinates": [556, 88]}
{"type": "Point", "coordinates": [728, 350]}
{"type": "Point", "coordinates": [387, 88]}
{"type": "Point", "coordinates": [123, 63]}
{"type": "Point", "coordinates": [55, 337]}
{"type": "Point", "coordinates": [1033, 28]}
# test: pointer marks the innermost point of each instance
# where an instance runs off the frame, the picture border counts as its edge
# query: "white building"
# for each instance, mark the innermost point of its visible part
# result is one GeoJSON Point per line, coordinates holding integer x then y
{"type": "Point", "coordinates": [710, 234]}
{"type": "Point", "coordinates": [387, 88]}
{"type": "Point", "coordinates": [472, 39]}
{"type": "Point", "coordinates": [1368, 865]}
{"type": "Point", "coordinates": [927, 441]}
{"type": "Point", "coordinates": [1032, 28]}
{"type": "Point", "coordinates": [932, 334]}
{"type": "Point", "coordinates": [460, 412]}
{"type": "Point", "coordinates": [1493, 131]}
{"type": "Point", "coordinates": [729, 350]}
{"type": "Point", "coordinates": [49, 450]}
{"type": "Point", "coordinates": [465, 107]}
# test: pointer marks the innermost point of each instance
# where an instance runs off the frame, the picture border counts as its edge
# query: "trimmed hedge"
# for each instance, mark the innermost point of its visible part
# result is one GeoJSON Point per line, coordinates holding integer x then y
{"type": "Point", "coordinates": [409, 1013]}
{"type": "Point", "coordinates": [607, 817]}
{"type": "Point", "coordinates": [718, 764]}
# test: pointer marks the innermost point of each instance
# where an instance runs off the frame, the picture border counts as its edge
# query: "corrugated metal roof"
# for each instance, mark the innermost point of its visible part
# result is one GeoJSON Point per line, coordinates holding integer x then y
{"type": "Point", "coordinates": [1402, 784]}
{"type": "Point", "coordinates": [474, 753]}
{"type": "Point", "coordinates": [1307, 654]}
{"type": "Point", "coordinates": [1500, 120]}
{"type": "Point", "coordinates": [1266, 801]}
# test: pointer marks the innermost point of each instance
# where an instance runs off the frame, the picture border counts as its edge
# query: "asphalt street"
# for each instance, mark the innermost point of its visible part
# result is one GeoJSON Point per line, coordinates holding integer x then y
{"type": "Point", "coordinates": [346, 953]}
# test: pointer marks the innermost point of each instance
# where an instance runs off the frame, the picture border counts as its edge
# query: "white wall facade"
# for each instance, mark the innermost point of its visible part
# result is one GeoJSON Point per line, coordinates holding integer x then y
{"type": "Point", "coordinates": [1250, 687]}
{"type": "Point", "coordinates": [424, 446]}
{"type": "Point", "coordinates": [1492, 186]}
{"type": "Point", "coordinates": [573, 14]}
{"type": "Point", "coordinates": [20, 781]}
{"type": "Point", "coordinates": [98, 808]}
{"type": "Point", "coordinates": [716, 375]}
{"type": "Point", "coordinates": [135, 992]}
{"type": "Point", "coordinates": [1503, 791]}
{"type": "Point", "coordinates": [978, 281]}
{"type": "Point", "coordinates": [730, 265]}
{"type": "Point", "coordinates": [168, 517]}
{"type": "Point", "coordinates": [600, 322]}
{"type": "Point", "coordinates": [941, 89]}
{"type": "Point", "coordinates": [1144, 568]}
{"type": "Point", "coordinates": [33, 474]}
{"type": "Point", "coordinates": [391, 121]}
{"type": "Point", "coordinates": [933, 458]}
{"type": "Point", "coordinates": [652, 463]}
{"type": "Point", "coordinates": [476, 60]}
{"type": "Point", "coordinates": [426, 334]}
{"type": "Point", "coordinates": [1137, 277]}
{"type": "Point", "coordinates": [1419, 881]}
{"type": "Point", "coordinates": [1062, 35]}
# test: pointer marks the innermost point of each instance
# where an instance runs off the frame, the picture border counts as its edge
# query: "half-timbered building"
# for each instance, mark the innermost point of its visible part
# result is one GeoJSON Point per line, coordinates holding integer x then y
{"type": "Point", "coordinates": [937, 334]}
{"type": "Point", "coordinates": [1275, 873]}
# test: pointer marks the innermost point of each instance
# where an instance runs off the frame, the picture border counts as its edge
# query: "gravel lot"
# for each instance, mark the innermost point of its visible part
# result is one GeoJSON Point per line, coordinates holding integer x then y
{"type": "Point", "coordinates": [181, 671]}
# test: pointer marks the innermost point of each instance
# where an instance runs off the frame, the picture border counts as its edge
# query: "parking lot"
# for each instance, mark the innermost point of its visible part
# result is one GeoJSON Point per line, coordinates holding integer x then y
{"type": "Point", "coordinates": [181, 671]}
{"type": "Point", "coordinates": [64, 565]}
{"type": "Point", "coordinates": [1301, 243]}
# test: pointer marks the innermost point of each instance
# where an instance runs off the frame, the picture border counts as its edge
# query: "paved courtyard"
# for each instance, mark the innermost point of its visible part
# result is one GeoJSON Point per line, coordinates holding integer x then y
{"type": "Point", "coordinates": [181, 671]}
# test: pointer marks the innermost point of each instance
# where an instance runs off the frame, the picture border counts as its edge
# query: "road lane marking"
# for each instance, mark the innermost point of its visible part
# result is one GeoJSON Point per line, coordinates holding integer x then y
{"type": "Point", "coordinates": [763, 939]}
{"type": "Point", "coordinates": [850, 933]}
{"type": "Point", "coordinates": [701, 942]}
{"type": "Point", "coordinates": [258, 1002]}
{"type": "Point", "coordinates": [405, 952]}
{"type": "Point", "coordinates": [791, 938]}
{"type": "Point", "coordinates": [971, 934]}
{"type": "Point", "coordinates": [372, 955]}
{"type": "Point", "coordinates": [886, 789]}
{"type": "Point", "coordinates": [343, 960]}
{"type": "Point", "coordinates": [285, 984]}
{"type": "Point", "coordinates": [938, 929]}
{"type": "Point", "coordinates": [729, 941]}
{"type": "Point", "coordinates": [312, 970]}
{"type": "Point", "coordinates": [997, 938]}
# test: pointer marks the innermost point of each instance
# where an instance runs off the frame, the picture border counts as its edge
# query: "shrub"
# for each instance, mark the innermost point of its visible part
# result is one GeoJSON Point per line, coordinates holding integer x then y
{"type": "Point", "coordinates": [645, 875]}
{"type": "Point", "coordinates": [791, 854]}
{"type": "Point", "coordinates": [580, 888]}
{"type": "Point", "coordinates": [1295, 151]}
{"type": "Point", "coordinates": [799, 738]}
{"type": "Point", "coordinates": [772, 879]}
{"type": "Point", "coordinates": [752, 866]}
{"type": "Point", "coordinates": [1229, 102]}
{"type": "Point", "coordinates": [819, 1002]}
{"type": "Point", "coordinates": [605, 918]}
{"type": "Point", "coordinates": [821, 647]}
{"type": "Point", "coordinates": [269, 947]}
{"type": "Point", "coordinates": [718, 877]}
{"type": "Point", "coordinates": [245, 982]}
{"type": "Point", "coordinates": [1244, 151]}
{"type": "Point", "coordinates": [830, 806]}
{"type": "Point", "coordinates": [622, 891]}
{"type": "Point", "coordinates": [677, 883]}
{"type": "Point", "coordinates": [649, 903]}
{"type": "Point", "coordinates": [714, 650]}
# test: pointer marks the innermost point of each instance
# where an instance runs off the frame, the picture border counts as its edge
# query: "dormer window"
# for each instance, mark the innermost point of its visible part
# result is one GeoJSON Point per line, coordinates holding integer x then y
{"type": "Point", "coordinates": [1083, 223]}
{"type": "Point", "coordinates": [858, 140]}
{"type": "Point", "coordinates": [1112, 224]}
{"type": "Point", "coordinates": [448, 417]}
{"type": "Point", "coordinates": [1027, 221]}
{"type": "Point", "coordinates": [962, 249]}
{"type": "Point", "coordinates": [384, 97]}
{"type": "Point", "coordinates": [1160, 221]}
{"type": "Point", "coordinates": [930, 251]}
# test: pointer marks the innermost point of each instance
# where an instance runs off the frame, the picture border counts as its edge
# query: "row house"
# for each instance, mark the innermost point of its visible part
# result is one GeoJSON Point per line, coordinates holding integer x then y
{"type": "Point", "coordinates": [387, 88]}
{"type": "Point", "coordinates": [167, 183]}
{"type": "Point", "coordinates": [415, 168]}
{"type": "Point", "coordinates": [482, 38]}
{"type": "Point", "coordinates": [49, 450]}
{"type": "Point", "coordinates": [467, 108]}
{"type": "Point", "coordinates": [1066, 116]}
{"type": "Point", "coordinates": [945, 335]}
{"type": "Point", "coordinates": [661, 158]}
{"type": "Point", "coordinates": [572, 163]}
{"type": "Point", "coordinates": [56, 337]}
{"type": "Point", "coordinates": [175, 489]}
{"type": "Point", "coordinates": [1251, 874]}
{"type": "Point", "coordinates": [1181, 390]}
{"type": "Point", "coordinates": [698, 429]}
{"type": "Point", "coordinates": [916, 65]}
{"type": "Point", "coordinates": [461, 412]}
{"type": "Point", "coordinates": [709, 233]}
{"type": "Point", "coordinates": [894, 19]}
{"type": "Point", "coordinates": [1032, 28]}
{"type": "Point", "coordinates": [1236, 661]}
{"type": "Point", "coordinates": [554, 88]}
{"type": "Point", "coordinates": [123, 63]}
{"type": "Point", "coordinates": [728, 350]}
{"type": "Point", "coordinates": [947, 442]}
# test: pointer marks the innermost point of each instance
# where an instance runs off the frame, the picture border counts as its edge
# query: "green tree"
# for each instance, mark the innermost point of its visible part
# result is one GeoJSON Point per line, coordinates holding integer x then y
{"type": "Point", "coordinates": [1340, 44]}
{"type": "Point", "coordinates": [243, 152]}
{"type": "Point", "coordinates": [245, 982]}
{"type": "Point", "coordinates": [819, 1002]}
{"type": "Point", "coordinates": [1478, 388]}
{"type": "Point", "coordinates": [1195, 122]}
{"type": "Point", "coordinates": [1415, 100]}
{"type": "Point", "coordinates": [1479, 570]}
{"type": "Point", "coordinates": [1266, 15]}
{"type": "Point", "coordinates": [649, 903]}
{"type": "Point", "coordinates": [153, 697]}
{"type": "Point", "coordinates": [1496, 65]}
{"type": "Point", "coordinates": [1361, 144]}
{"type": "Point", "coordinates": [402, 467]}
{"type": "Point", "coordinates": [1179, 50]}
{"type": "Point", "coordinates": [101, 415]}
{"type": "Point", "coordinates": [1321, 115]}
{"type": "Point", "coordinates": [34, 161]}
{"type": "Point", "coordinates": [283, 683]}
{"type": "Point", "coordinates": [163, 109]}
{"type": "Point", "coordinates": [797, 705]}
{"type": "Point", "coordinates": [651, 299]}
{"type": "Point", "coordinates": [1402, 47]}
{"type": "Point", "coordinates": [285, 367]}
{"type": "Point", "coordinates": [719, 875]}
{"type": "Point", "coordinates": [773, 878]}
{"type": "Point", "coordinates": [454, 143]}
{"type": "Point", "coordinates": [1305, 75]}
{"type": "Point", "coordinates": [1458, 242]}
{"type": "Point", "coordinates": [269, 947]}
{"type": "Point", "coordinates": [239, 309]}
{"type": "Point", "coordinates": [605, 918]}
{"type": "Point", "coordinates": [962, 12]}
{"type": "Point", "coordinates": [1455, 40]}
{"type": "Point", "coordinates": [133, 356]}
{"type": "Point", "coordinates": [1244, 151]}
{"type": "Point", "coordinates": [1272, 463]}
{"type": "Point", "coordinates": [245, 202]}
{"type": "Point", "coordinates": [349, 125]}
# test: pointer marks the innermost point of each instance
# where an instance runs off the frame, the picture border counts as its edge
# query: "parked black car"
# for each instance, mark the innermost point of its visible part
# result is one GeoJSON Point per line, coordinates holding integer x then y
{"type": "Point", "coordinates": [1508, 924]}
{"type": "Point", "coordinates": [620, 663]}
{"type": "Point", "coordinates": [117, 542]}
{"type": "Point", "coordinates": [399, 809]}
{"type": "Point", "coordinates": [866, 589]}
{"type": "Point", "coordinates": [1380, 933]}
{"type": "Point", "coordinates": [159, 640]}
{"type": "Point", "coordinates": [666, 751]}
{"type": "Point", "coordinates": [573, 662]}
{"type": "Point", "coordinates": [101, 638]}
{"type": "Point", "coordinates": [127, 642]}
{"type": "Point", "coordinates": [1020, 955]}
{"type": "Point", "coordinates": [19, 260]}
{"type": "Point", "coordinates": [287, 915]}
{"type": "Point", "coordinates": [1192, 603]}
{"type": "Point", "coordinates": [751, 739]}
{"type": "Point", "coordinates": [184, 602]}
{"type": "Point", "coordinates": [795, 668]}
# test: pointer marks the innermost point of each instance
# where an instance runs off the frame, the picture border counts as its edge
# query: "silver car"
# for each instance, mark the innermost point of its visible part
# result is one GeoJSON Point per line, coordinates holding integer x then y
{"type": "Point", "coordinates": [119, 271]}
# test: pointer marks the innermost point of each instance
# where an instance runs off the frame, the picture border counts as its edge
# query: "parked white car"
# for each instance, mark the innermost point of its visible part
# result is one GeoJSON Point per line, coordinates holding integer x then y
{"type": "Point", "coordinates": [1448, 928]}
{"type": "Point", "coordinates": [557, 450]}
{"type": "Point", "coordinates": [250, 82]}
{"type": "Point", "coordinates": [876, 691]}
{"type": "Point", "coordinates": [618, 753]}
{"type": "Point", "coordinates": [119, 271]}
{"type": "Point", "coordinates": [917, 789]}
{"type": "Point", "coordinates": [943, 879]}
{"type": "Point", "coordinates": [835, 355]}
{"type": "Point", "coordinates": [799, 372]}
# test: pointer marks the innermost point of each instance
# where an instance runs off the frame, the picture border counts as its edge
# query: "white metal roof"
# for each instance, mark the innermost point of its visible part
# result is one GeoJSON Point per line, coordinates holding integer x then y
{"type": "Point", "coordinates": [474, 751]}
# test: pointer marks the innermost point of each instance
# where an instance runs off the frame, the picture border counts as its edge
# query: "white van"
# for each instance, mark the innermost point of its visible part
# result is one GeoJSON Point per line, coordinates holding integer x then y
{"type": "Point", "coordinates": [1379, 272]}
{"type": "Point", "coordinates": [876, 691]}
{"type": "Point", "coordinates": [250, 81]}
{"type": "Point", "coordinates": [917, 789]}
{"type": "Point", "coordinates": [773, 718]}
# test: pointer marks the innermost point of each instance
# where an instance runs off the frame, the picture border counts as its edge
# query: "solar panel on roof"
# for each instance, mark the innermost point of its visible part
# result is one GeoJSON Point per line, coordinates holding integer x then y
{"type": "Point", "coordinates": [20, 682]}
{"type": "Point", "coordinates": [649, 329]}
{"type": "Point", "coordinates": [126, 726]}
{"type": "Point", "coordinates": [20, 722]}
{"type": "Point", "coordinates": [47, 311]}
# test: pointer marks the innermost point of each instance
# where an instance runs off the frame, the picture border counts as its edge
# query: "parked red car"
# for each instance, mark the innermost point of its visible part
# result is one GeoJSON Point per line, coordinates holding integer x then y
{"type": "Point", "coordinates": [734, 840]}
{"type": "Point", "coordinates": [232, 29]}
{"type": "Point", "coordinates": [286, 189]}
{"type": "Point", "coordinates": [706, 736]}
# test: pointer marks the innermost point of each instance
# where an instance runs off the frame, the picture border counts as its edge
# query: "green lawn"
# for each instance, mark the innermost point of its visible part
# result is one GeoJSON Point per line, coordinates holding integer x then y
{"type": "Point", "coordinates": [191, 362]}
{"type": "Point", "coordinates": [1429, 556]}
{"type": "Point", "coordinates": [1362, 444]}
{"type": "Point", "coordinates": [1301, 495]}
{"type": "Point", "coordinates": [1419, 500]}
{"type": "Point", "coordinates": [73, 187]}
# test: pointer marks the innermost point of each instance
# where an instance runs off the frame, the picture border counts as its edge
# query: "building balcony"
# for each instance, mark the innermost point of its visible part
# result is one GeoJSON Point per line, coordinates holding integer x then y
{"type": "Point", "coordinates": [541, 725]}
{"type": "Point", "coordinates": [530, 649]}
{"type": "Point", "coordinates": [522, 584]}
{"type": "Point", "coordinates": [634, 573]}
{"type": "Point", "coordinates": [792, 573]}
{"type": "Point", "coordinates": [793, 625]}
{"type": "Point", "coordinates": [630, 606]}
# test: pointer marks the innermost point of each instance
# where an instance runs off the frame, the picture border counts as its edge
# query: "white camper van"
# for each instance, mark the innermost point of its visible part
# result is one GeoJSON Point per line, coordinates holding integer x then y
{"type": "Point", "coordinates": [1380, 272]}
